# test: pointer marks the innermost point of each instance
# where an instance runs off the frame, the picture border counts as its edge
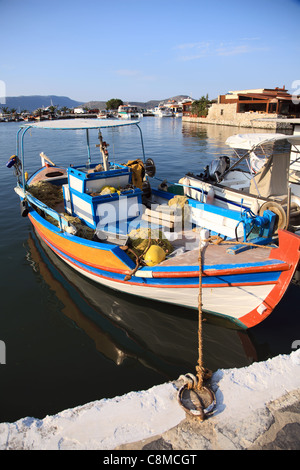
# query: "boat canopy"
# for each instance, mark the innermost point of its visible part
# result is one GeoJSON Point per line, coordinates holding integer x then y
{"type": "Point", "coordinates": [273, 178]}
{"type": "Point", "coordinates": [76, 124]}
{"type": "Point", "coordinates": [72, 124]}
{"type": "Point", "coordinates": [249, 141]}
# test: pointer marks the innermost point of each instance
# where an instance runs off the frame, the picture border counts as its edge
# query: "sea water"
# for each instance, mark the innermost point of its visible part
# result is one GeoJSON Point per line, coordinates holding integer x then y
{"type": "Point", "coordinates": [68, 341]}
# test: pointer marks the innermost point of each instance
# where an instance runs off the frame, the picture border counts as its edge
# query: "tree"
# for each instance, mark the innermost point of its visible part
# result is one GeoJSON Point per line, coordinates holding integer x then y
{"type": "Point", "coordinates": [65, 109]}
{"type": "Point", "coordinates": [38, 112]}
{"type": "Point", "coordinates": [52, 109]}
{"type": "Point", "coordinates": [5, 110]}
{"type": "Point", "coordinates": [200, 107]}
{"type": "Point", "coordinates": [114, 103]}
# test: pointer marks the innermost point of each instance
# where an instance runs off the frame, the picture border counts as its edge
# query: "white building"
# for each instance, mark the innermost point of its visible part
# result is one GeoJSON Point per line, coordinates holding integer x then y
{"type": "Point", "coordinates": [78, 111]}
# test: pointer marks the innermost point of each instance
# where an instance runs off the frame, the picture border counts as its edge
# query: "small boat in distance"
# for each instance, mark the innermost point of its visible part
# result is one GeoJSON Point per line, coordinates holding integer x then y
{"type": "Point", "coordinates": [162, 111]}
{"type": "Point", "coordinates": [107, 222]}
{"type": "Point", "coordinates": [129, 112]}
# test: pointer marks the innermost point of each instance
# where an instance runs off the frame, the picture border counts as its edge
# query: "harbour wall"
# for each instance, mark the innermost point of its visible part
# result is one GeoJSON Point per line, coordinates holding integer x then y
{"type": "Point", "coordinates": [226, 115]}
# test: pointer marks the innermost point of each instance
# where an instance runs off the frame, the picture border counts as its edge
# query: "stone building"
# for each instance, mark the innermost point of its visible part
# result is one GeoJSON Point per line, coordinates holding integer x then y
{"type": "Point", "coordinates": [243, 107]}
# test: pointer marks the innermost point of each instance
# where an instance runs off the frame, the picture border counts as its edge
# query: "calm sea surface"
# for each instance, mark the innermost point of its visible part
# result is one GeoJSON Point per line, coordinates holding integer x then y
{"type": "Point", "coordinates": [69, 341]}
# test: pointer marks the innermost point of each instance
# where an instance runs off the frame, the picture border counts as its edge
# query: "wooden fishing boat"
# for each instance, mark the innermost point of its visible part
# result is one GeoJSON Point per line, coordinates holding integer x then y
{"type": "Point", "coordinates": [261, 176]}
{"type": "Point", "coordinates": [111, 226]}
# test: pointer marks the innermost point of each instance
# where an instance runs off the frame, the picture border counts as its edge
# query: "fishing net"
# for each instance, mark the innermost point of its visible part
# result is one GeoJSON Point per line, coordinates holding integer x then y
{"type": "Point", "coordinates": [48, 193]}
{"type": "Point", "coordinates": [142, 238]}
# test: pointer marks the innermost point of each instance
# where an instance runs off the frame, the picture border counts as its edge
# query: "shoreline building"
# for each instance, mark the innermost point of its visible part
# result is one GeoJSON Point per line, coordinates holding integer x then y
{"type": "Point", "coordinates": [242, 107]}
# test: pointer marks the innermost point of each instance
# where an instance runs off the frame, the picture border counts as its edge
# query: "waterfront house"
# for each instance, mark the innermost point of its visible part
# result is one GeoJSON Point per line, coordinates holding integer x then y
{"type": "Point", "coordinates": [242, 107]}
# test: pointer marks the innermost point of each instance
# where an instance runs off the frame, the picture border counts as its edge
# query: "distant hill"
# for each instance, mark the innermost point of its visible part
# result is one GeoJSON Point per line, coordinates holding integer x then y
{"type": "Point", "coordinates": [30, 103]}
{"type": "Point", "coordinates": [141, 104]}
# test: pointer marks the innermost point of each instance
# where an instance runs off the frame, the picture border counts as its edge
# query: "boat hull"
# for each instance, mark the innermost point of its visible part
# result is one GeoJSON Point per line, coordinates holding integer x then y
{"type": "Point", "coordinates": [243, 294]}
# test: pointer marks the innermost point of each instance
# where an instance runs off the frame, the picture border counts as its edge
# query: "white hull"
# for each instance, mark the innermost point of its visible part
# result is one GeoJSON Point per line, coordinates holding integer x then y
{"type": "Point", "coordinates": [130, 116]}
{"type": "Point", "coordinates": [230, 196]}
{"type": "Point", "coordinates": [216, 300]}
{"type": "Point", "coordinates": [164, 115]}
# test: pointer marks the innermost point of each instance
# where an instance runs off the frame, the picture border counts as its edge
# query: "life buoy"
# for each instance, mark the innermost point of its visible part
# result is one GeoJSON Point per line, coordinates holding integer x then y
{"type": "Point", "coordinates": [281, 218]}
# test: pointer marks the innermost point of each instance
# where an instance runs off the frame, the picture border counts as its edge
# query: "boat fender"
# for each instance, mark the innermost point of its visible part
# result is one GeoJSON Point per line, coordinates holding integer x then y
{"type": "Point", "coordinates": [24, 208]}
{"type": "Point", "coordinates": [154, 255]}
{"type": "Point", "coordinates": [210, 196]}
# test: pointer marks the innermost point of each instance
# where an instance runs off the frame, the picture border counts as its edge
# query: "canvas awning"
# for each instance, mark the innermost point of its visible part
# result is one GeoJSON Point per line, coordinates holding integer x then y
{"type": "Point", "coordinates": [76, 124]}
{"type": "Point", "coordinates": [249, 141]}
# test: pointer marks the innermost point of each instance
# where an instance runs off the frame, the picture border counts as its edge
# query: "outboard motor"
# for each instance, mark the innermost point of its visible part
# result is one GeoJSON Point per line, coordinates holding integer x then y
{"type": "Point", "coordinates": [217, 168]}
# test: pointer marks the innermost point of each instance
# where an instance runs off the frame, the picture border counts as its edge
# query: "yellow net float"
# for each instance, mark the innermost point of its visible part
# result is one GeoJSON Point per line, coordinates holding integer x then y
{"type": "Point", "coordinates": [154, 255]}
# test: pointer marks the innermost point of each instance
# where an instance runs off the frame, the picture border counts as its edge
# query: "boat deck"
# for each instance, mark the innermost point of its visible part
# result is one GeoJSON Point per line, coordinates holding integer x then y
{"type": "Point", "coordinates": [186, 244]}
{"type": "Point", "coordinates": [217, 254]}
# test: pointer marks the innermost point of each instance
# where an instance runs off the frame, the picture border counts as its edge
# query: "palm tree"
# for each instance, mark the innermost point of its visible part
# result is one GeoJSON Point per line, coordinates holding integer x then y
{"type": "Point", "coordinates": [5, 110]}
{"type": "Point", "coordinates": [64, 109]}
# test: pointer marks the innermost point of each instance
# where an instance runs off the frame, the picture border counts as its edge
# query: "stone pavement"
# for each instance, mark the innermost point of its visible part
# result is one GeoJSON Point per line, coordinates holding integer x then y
{"type": "Point", "coordinates": [278, 428]}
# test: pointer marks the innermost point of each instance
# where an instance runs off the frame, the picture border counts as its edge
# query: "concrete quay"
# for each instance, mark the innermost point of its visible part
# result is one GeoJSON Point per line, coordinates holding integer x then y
{"type": "Point", "coordinates": [274, 427]}
{"type": "Point", "coordinates": [257, 408]}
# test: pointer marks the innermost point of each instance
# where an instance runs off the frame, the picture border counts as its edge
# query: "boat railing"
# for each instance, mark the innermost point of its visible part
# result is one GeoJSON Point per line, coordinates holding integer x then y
{"type": "Point", "coordinates": [63, 223]}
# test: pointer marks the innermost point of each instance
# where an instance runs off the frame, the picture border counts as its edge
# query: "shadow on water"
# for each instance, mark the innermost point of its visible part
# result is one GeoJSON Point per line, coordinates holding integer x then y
{"type": "Point", "coordinates": [164, 338]}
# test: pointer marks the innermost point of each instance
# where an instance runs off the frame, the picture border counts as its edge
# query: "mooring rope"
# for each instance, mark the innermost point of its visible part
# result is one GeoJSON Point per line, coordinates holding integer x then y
{"type": "Point", "coordinates": [138, 259]}
{"type": "Point", "coordinates": [217, 240]}
{"type": "Point", "coordinates": [199, 367]}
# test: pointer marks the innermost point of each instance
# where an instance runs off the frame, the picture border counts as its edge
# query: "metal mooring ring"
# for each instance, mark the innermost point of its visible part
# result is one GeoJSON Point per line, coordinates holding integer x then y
{"type": "Point", "coordinates": [201, 404]}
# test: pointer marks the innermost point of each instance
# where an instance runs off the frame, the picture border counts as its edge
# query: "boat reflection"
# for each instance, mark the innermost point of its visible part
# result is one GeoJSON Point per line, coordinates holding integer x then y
{"type": "Point", "coordinates": [161, 338]}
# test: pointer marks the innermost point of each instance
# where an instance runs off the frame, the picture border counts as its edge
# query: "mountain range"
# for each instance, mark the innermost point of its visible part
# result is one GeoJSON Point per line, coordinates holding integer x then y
{"type": "Point", "coordinates": [32, 102]}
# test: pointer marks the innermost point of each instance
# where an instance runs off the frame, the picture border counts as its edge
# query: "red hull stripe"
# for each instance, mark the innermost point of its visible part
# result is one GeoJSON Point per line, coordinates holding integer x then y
{"type": "Point", "coordinates": [289, 246]}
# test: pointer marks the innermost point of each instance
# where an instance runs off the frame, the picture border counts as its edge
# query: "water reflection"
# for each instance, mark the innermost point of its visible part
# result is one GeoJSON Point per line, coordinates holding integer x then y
{"type": "Point", "coordinates": [79, 332]}
{"type": "Point", "coordinates": [161, 338]}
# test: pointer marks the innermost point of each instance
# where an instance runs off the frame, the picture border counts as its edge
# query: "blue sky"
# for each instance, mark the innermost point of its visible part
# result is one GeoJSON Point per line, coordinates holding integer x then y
{"type": "Point", "coordinates": [147, 49]}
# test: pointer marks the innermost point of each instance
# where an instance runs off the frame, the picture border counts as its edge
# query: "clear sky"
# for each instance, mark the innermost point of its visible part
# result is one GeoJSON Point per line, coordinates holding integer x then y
{"type": "Point", "coordinates": [138, 50]}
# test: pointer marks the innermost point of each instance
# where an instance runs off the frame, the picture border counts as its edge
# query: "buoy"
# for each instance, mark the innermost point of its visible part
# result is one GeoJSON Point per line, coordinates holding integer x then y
{"type": "Point", "coordinates": [154, 255]}
{"type": "Point", "coordinates": [107, 190]}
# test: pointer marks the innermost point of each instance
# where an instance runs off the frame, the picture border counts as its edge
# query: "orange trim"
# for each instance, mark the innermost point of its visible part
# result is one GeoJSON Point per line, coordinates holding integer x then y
{"type": "Point", "coordinates": [82, 253]}
{"type": "Point", "coordinates": [289, 246]}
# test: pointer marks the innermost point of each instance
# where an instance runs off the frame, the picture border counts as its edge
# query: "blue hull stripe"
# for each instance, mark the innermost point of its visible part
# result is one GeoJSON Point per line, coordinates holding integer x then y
{"type": "Point", "coordinates": [207, 281]}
